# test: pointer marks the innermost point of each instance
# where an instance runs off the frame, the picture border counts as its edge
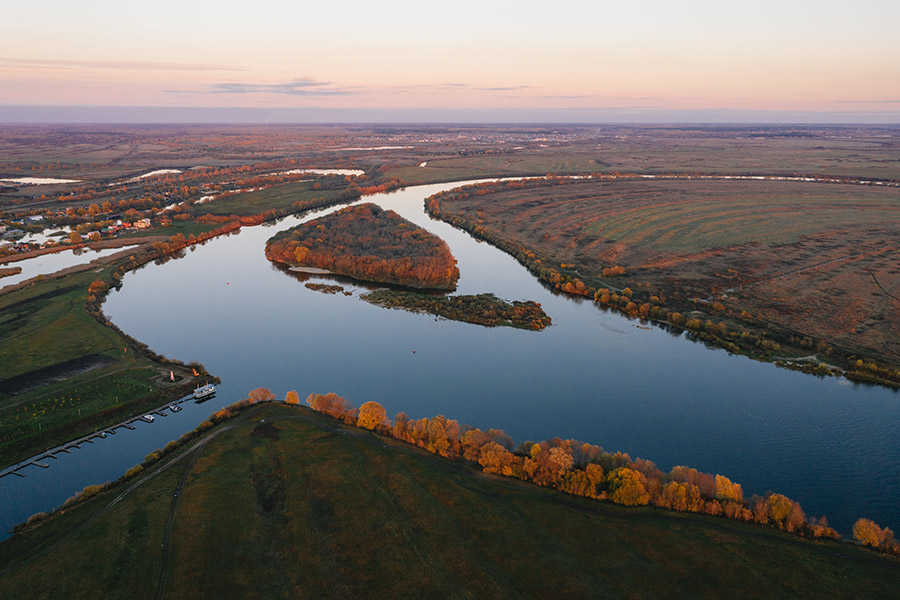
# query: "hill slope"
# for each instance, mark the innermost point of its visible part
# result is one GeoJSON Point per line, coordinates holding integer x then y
{"type": "Point", "coordinates": [283, 502]}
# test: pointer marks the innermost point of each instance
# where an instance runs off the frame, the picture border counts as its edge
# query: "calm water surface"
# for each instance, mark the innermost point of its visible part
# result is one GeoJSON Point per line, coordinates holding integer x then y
{"type": "Point", "coordinates": [593, 376]}
{"type": "Point", "coordinates": [56, 261]}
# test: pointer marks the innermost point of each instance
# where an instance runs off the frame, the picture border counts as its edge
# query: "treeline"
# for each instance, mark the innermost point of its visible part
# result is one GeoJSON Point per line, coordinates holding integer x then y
{"type": "Point", "coordinates": [583, 469]}
{"type": "Point", "coordinates": [371, 244]}
{"type": "Point", "coordinates": [570, 466]}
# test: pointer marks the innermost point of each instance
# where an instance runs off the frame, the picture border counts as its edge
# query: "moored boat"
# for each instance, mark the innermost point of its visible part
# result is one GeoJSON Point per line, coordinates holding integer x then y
{"type": "Point", "coordinates": [204, 391]}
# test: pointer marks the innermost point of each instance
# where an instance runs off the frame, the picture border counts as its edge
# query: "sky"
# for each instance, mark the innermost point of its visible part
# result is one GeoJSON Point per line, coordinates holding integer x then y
{"type": "Point", "coordinates": [642, 60]}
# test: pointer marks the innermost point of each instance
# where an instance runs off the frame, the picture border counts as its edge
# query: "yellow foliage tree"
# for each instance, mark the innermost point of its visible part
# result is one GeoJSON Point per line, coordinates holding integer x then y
{"type": "Point", "coordinates": [372, 415]}
{"type": "Point", "coordinates": [629, 487]}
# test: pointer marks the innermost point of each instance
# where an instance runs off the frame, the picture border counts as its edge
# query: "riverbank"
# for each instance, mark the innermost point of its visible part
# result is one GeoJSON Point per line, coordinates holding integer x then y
{"type": "Point", "coordinates": [101, 245]}
{"type": "Point", "coordinates": [481, 309]}
{"type": "Point", "coordinates": [90, 376]}
{"type": "Point", "coordinates": [430, 524]}
{"type": "Point", "coordinates": [637, 245]}
{"type": "Point", "coordinates": [70, 370]}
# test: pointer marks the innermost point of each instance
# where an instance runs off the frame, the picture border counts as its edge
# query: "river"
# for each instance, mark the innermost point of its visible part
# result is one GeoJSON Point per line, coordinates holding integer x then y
{"type": "Point", "coordinates": [593, 375]}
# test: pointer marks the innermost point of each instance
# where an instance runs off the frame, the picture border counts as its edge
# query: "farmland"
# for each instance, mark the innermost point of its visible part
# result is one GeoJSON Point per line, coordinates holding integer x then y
{"type": "Point", "coordinates": [64, 373]}
{"type": "Point", "coordinates": [283, 502]}
{"type": "Point", "coordinates": [815, 260]}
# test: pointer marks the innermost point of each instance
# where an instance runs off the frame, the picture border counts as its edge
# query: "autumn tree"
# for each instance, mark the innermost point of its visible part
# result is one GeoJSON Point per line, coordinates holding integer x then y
{"type": "Point", "coordinates": [331, 404]}
{"type": "Point", "coordinates": [471, 443]}
{"type": "Point", "coordinates": [97, 287]}
{"type": "Point", "coordinates": [292, 397]}
{"type": "Point", "coordinates": [372, 415]}
{"type": "Point", "coordinates": [494, 458]}
{"type": "Point", "coordinates": [628, 487]}
{"type": "Point", "coordinates": [868, 533]}
{"type": "Point", "coordinates": [547, 466]}
{"type": "Point", "coordinates": [260, 395]}
{"type": "Point", "coordinates": [726, 490]}
{"type": "Point", "coordinates": [680, 496]}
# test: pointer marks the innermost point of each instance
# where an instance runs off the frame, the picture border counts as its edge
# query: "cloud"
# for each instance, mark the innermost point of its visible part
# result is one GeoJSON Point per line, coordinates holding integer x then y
{"type": "Point", "coordinates": [297, 87]}
{"type": "Point", "coordinates": [570, 97]}
{"type": "Point", "coordinates": [889, 101]}
{"type": "Point", "coordinates": [509, 88]}
{"type": "Point", "coordinates": [42, 63]}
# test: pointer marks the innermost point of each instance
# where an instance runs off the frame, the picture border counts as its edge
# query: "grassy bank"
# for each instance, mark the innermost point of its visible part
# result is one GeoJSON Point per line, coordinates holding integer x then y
{"type": "Point", "coordinates": [63, 373]}
{"type": "Point", "coordinates": [287, 503]}
{"type": "Point", "coordinates": [281, 197]}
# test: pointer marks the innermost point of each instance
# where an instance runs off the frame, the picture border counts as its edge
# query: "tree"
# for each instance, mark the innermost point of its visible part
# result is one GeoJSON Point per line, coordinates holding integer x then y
{"type": "Point", "coordinates": [472, 442]}
{"type": "Point", "coordinates": [629, 487]}
{"type": "Point", "coordinates": [292, 397]}
{"type": "Point", "coordinates": [260, 395]}
{"type": "Point", "coordinates": [868, 533]}
{"type": "Point", "coordinates": [331, 404]}
{"type": "Point", "coordinates": [726, 490]}
{"type": "Point", "coordinates": [548, 466]}
{"type": "Point", "coordinates": [372, 415]}
{"type": "Point", "coordinates": [494, 458]}
{"type": "Point", "coordinates": [74, 238]}
{"type": "Point", "coordinates": [96, 287]}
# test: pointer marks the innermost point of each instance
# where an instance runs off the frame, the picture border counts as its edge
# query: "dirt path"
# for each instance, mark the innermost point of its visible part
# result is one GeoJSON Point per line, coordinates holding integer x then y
{"type": "Point", "coordinates": [163, 580]}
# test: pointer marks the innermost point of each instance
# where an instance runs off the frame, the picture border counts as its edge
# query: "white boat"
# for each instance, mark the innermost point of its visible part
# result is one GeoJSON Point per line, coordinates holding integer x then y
{"type": "Point", "coordinates": [148, 418]}
{"type": "Point", "coordinates": [204, 391]}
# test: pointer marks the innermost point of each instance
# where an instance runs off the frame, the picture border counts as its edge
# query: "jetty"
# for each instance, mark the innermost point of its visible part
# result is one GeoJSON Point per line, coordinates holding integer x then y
{"type": "Point", "coordinates": [40, 460]}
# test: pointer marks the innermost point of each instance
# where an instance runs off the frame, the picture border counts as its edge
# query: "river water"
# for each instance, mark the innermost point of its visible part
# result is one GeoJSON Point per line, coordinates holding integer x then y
{"type": "Point", "coordinates": [593, 375]}
{"type": "Point", "coordinates": [53, 262]}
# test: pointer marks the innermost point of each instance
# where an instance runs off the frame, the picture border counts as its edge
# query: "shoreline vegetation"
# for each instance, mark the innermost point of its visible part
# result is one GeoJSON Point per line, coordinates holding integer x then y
{"type": "Point", "coordinates": [569, 466]}
{"type": "Point", "coordinates": [304, 506]}
{"type": "Point", "coordinates": [704, 319]}
{"type": "Point", "coordinates": [480, 309]}
{"type": "Point", "coordinates": [368, 243]}
{"type": "Point", "coordinates": [51, 404]}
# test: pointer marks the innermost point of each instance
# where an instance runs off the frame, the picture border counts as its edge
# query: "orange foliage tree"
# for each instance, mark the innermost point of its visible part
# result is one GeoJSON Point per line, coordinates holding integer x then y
{"type": "Point", "coordinates": [587, 470]}
{"type": "Point", "coordinates": [372, 415]}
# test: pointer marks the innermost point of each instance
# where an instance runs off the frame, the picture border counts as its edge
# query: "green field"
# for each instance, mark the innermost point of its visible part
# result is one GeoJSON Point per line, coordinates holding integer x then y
{"type": "Point", "coordinates": [64, 374]}
{"type": "Point", "coordinates": [278, 197]}
{"type": "Point", "coordinates": [286, 503]}
{"type": "Point", "coordinates": [185, 228]}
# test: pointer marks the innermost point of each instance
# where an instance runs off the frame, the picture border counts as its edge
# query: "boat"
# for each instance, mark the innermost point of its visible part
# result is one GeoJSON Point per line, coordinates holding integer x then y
{"type": "Point", "coordinates": [148, 418]}
{"type": "Point", "coordinates": [204, 391]}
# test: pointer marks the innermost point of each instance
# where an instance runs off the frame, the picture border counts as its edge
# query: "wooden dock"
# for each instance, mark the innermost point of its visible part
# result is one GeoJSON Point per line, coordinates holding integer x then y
{"type": "Point", "coordinates": [40, 460]}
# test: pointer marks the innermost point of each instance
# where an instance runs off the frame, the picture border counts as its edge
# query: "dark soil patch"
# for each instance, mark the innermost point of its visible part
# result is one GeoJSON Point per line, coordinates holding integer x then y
{"type": "Point", "coordinates": [266, 430]}
{"type": "Point", "coordinates": [57, 372]}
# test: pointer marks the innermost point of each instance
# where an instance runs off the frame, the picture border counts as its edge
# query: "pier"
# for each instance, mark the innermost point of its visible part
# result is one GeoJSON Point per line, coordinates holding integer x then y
{"type": "Point", "coordinates": [40, 460]}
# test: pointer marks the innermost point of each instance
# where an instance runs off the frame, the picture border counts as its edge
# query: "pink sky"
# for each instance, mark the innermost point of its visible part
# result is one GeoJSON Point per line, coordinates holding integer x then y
{"type": "Point", "coordinates": [647, 56]}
